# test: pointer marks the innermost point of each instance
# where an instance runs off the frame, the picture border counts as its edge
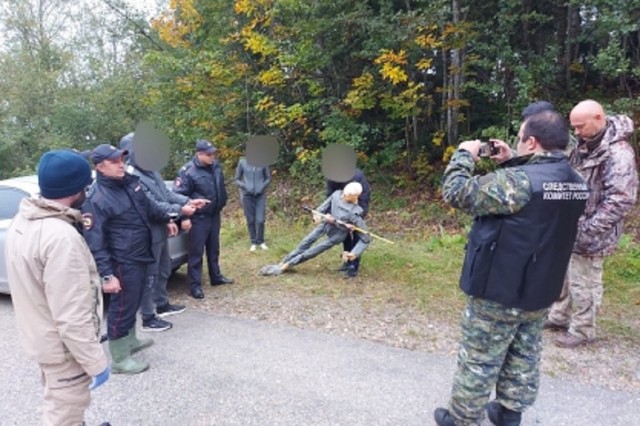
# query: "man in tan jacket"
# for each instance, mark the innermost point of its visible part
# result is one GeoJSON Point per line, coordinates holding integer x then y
{"type": "Point", "coordinates": [55, 289]}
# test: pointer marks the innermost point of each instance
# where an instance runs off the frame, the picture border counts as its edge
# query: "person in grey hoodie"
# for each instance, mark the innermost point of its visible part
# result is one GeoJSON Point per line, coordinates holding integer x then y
{"type": "Point", "coordinates": [155, 303]}
{"type": "Point", "coordinates": [253, 182]}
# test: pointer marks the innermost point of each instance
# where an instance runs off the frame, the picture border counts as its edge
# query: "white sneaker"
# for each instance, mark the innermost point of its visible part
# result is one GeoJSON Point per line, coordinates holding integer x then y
{"type": "Point", "coordinates": [253, 247]}
{"type": "Point", "coordinates": [263, 246]}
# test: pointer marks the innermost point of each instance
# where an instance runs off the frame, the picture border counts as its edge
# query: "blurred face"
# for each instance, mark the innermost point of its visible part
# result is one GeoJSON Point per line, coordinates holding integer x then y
{"type": "Point", "coordinates": [206, 159]}
{"type": "Point", "coordinates": [112, 168]}
{"type": "Point", "coordinates": [585, 125]}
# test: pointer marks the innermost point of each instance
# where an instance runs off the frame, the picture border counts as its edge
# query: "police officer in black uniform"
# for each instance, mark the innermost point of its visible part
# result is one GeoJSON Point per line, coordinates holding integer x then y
{"type": "Point", "coordinates": [351, 267]}
{"type": "Point", "coordinates": [116, 218]}
{"type": "Point", "coordinates": [202, 178]}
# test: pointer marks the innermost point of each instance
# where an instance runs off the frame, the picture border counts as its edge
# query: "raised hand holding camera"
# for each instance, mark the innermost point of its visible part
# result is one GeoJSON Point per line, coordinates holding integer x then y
{"type": "Point", "coordinates": [503, 151]}
{"type": "Point", "coordinates": [494, 149]}
{"type": "Point", "coordinates": [472, 146]}
{"type": "Point", "coordinates": [488, 149]}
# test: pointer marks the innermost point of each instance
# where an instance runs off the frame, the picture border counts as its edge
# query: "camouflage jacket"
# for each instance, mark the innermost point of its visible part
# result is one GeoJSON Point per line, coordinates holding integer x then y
{"type": "Point", "coordinates": [505, 191]}
{"type": "Point", "coordinates": [610, 171]}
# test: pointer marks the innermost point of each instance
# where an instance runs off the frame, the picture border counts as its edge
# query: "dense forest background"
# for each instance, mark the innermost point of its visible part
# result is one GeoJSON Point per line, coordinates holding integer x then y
{"type": "Point", "coordinates": [402, 82]}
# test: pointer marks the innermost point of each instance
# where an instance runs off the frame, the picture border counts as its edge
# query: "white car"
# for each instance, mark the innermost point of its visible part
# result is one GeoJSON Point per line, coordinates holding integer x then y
{"type": "Point", "coordinates": [12, 191]}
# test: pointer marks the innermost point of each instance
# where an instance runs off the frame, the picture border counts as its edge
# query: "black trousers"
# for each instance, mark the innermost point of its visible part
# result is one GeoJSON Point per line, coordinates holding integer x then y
{"type": "Point", "coordinates": [124, 305]}
{"type": "Point", "coordinates": [204, 237]}
{"type": "Point", "coordinates": [348, 244]}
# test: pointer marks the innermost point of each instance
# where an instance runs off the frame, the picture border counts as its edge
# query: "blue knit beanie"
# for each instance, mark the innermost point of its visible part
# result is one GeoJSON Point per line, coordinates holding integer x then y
{"type": "Point", "coordinates": [62, 173]}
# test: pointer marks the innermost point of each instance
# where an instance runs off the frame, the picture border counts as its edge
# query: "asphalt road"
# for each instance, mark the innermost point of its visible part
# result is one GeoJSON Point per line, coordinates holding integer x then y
{"type": "Point", "coordinates": [215, 370]}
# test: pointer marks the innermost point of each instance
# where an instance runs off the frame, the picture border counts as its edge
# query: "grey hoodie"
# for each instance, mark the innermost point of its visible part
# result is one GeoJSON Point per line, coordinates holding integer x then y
{"type": "Point", "coordinates": [251, 180]}
{"type": "Point", "coordinates": [154, 187]}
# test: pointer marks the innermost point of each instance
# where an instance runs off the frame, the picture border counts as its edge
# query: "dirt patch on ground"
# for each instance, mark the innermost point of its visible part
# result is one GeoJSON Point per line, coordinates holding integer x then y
{"type": "Point", "coordinates": [606, 363]}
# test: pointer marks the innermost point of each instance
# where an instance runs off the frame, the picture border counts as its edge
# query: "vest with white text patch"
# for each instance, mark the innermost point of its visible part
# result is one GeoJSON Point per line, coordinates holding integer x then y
{"type": "Point", "coordinates": [520, 260]}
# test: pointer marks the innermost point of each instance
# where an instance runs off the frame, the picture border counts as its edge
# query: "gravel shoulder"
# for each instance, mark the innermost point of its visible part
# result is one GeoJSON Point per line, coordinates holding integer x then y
{"type": "Point", "coordinates": [606, 363]}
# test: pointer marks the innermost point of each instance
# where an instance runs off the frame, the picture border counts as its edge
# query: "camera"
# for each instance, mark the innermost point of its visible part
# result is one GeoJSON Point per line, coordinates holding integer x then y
{"type": "Point", "coordinates": [487, 149]}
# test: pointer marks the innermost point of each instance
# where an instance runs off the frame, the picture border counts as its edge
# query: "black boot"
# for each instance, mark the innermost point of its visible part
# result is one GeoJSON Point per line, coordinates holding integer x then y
{"type": "Point", "coordinates": [443, 417]}
{"type": "Point", "coordinates": [502, 416]}
{"type": "Point", "coordinates": [351, 272]}
{"type": "Point", "coordinates": [221, 280]}
{"type": "Point", "coordinates": [196, 293]}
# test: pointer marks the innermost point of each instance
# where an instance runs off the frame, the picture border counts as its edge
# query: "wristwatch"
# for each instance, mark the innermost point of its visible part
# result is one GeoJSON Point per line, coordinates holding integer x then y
{"type": "Point", "coordinates": [106, 279]}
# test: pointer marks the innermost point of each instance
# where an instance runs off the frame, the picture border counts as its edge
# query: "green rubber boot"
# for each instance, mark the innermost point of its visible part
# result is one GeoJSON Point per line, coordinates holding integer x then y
{"type": "Point", "coordinates": [135, 344]}
{"type": "Point", "coordinates": [121, 361]}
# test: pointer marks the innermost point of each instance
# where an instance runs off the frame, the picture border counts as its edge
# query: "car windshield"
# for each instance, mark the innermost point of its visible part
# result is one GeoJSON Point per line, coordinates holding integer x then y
{"type": "Point", "coordinates": [10, 201]}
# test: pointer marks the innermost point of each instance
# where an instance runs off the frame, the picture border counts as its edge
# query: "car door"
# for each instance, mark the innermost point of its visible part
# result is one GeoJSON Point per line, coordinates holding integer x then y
{"type": "Point", "coordinates": [10, 198]}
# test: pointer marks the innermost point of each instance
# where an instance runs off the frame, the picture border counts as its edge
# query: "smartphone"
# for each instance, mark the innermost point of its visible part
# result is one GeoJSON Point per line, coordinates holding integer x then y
{"type": "Point", "coordinates": [488, 149]}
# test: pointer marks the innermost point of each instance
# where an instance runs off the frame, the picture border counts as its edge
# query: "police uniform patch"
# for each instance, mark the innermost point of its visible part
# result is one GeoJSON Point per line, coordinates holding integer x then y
{"type": "Point", "coordinates": [87, 221]}
{"type": "Point", "coordinates": [177, 182]}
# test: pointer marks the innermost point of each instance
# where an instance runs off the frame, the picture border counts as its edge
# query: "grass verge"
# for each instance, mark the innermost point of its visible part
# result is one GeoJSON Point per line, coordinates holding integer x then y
{"type": "Point", "coordinates": [417, 273]}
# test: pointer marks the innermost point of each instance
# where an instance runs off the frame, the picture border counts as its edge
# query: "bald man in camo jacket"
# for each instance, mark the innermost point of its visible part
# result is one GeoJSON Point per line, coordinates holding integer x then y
{"type": "Point", "coordinates": [607, 162]}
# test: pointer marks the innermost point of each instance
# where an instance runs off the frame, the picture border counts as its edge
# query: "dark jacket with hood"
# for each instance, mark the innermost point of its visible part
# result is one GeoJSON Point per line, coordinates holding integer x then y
{"type": "Point", "coordinates": [155, 189]}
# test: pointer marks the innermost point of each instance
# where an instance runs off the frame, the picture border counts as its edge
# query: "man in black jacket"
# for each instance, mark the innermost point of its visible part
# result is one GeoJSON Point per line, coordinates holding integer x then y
{"type": "Point", "coordinates": [351, 267]}
{"type": "Point", "coordinates": [155, 305]}
{"type": "Point", "coordinates": [525, 223]}
{"type": "Point", "coordinates": [202, 178]}
{"type": "Point", "coordinates": [116, 218]}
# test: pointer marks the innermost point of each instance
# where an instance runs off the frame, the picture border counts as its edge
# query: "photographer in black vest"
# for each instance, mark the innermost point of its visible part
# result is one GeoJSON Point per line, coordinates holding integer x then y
{"type": "Point", "coordinates": [525, 223]}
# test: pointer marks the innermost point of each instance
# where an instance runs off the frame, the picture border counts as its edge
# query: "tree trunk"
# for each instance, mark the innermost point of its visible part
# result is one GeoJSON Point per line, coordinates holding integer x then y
{"type": "Point", "coordinates": [445, 92]}
{"type": "Point", "coordinates": [567, 48]}
{"type": "Point", "coordinates": [454, 83]}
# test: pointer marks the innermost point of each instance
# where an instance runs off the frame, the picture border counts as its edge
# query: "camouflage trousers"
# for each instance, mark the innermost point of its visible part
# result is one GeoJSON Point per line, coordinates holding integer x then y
{"type": "Point", "coordinates": [581, 296]}
{"type": "Point", "coordinates": [500, 347]}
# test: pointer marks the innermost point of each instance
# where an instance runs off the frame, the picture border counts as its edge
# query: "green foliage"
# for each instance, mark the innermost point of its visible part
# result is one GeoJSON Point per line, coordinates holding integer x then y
{"type": "Point", "coordinates": [63, 88]}
{"type": "Point", "coordinates": [612, 61]}
{"type": "Point", "coordinates": [621, 272]}
{"type": "Point", "coordinates": [378, 76]}
{"type": "Point", "coordinates": [342, 129]}
{"type": "Point", "coordinates": [308, 169]}
{"type": "Point", "coordinates": [386, 156]}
